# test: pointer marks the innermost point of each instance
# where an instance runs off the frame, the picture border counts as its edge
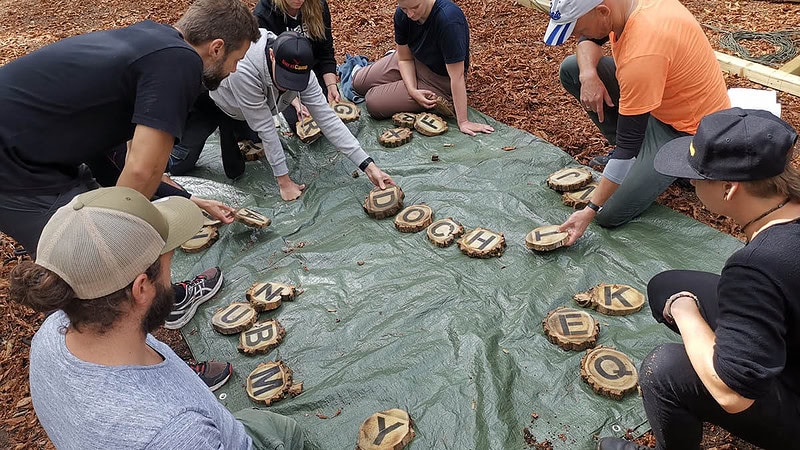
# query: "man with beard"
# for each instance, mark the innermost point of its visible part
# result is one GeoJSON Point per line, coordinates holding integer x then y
{"type": "Point", "coordinates": [98, 379]}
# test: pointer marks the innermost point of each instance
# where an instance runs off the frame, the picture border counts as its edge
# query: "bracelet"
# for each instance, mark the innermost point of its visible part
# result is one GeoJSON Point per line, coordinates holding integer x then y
{"type": "Point", "coordinates": [364, 164]}
{"type": "Point", "coordinates": [593, 207]}
{"type": "Point", "coordinates": [329, 85]}
{"type": "Point", "coordinates": [668, 305]}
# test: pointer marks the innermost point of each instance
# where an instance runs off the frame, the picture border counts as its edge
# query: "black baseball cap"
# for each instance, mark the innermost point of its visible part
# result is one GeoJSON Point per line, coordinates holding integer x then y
{"type": "Point", "coordinates": [293, 60]}
{"type": "Point", "coordinates": [731, 145]}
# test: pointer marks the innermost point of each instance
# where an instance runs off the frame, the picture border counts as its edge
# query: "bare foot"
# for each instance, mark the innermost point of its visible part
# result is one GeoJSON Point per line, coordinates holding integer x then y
{"type": "Point", "coordinates": [291, 191]}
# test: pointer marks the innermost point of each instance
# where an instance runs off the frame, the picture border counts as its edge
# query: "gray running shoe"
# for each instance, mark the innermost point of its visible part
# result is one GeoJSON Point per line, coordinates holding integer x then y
{"type": "Point", "coordinates": [213, 373]}
{"type": "Point", "coordinates": [197, 291]}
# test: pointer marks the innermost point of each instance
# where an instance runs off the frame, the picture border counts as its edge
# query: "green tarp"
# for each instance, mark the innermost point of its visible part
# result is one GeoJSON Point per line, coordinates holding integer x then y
{"type": "Point", "coordinates": [455, 341]}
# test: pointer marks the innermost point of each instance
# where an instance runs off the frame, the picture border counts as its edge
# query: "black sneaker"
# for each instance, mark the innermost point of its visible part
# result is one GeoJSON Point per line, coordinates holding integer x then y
{"type": "Point", "coordinates": [213, 373]}
{"type": "Point", "coordinates": [610, 443]}
{"type": "Point", "coordinates": [197, 291]}
{"type": "Point", "coordinates": [600, 161]}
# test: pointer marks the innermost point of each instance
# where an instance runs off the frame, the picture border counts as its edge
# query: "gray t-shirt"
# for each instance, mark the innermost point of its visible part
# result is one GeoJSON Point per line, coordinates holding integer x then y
{"type": "Point", "coordinates": [85, 406]}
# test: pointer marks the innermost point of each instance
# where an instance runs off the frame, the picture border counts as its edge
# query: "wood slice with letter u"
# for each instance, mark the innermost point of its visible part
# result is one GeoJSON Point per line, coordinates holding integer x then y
{"type": "Point", "coordinates": [234, 318]}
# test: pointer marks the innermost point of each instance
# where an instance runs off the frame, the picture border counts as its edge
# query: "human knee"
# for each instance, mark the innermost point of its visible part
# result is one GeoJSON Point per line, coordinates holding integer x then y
{"type": "Point", "coordinates": [611, 219]}
{"type": "Point", "coordinates": [375, 106]}
{"type": "Point", "coordinates": [568, 72]}
{"type": "Point", "coordinates": [667, 365]}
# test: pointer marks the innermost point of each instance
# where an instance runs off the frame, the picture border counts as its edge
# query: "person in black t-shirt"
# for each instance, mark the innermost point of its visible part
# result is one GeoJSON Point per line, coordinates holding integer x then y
{"type": "Point", "coordinates": [739, 363]}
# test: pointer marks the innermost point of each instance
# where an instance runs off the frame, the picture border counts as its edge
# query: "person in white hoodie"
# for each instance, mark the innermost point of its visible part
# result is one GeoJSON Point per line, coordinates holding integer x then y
{"type": "Point", "coordinates": [275, 71]}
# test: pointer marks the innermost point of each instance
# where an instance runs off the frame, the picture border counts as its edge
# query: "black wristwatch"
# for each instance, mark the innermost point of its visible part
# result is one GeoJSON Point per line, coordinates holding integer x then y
{"type": "Point", "coordinates": [596, 208]}
{"type": "Point", "coordinates": [365, 163]}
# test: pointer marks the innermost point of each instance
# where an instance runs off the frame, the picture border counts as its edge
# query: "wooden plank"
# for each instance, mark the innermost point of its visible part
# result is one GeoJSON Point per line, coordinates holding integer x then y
{"type": "Point", "coordinates": [760, 74]}
{"type": "Point", "coordinates": [792, 67]}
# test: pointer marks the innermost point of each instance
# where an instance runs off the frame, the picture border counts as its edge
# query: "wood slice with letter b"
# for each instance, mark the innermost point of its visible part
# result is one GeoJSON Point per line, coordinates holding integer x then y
{"type": "Point", "coordinates": [307, 130]}
{"type": "Point", "coordinates": [392, 429]}
{"type": "Point", "coordinates": [234, 318]}
{"type": "Point", "coordinates": [261, 337]}
{"type": "Point", "coordinates": [482, 243]}
{"type": "Point", "coordinates": [269, 382]}
{"type": "Point", "coordinates": [430, 124]}
{"type": "Point", "coordinates": [546, 238]}
{"type": "Point", "coordinates": [252, 218]}
{"type": "Point", "coordinates": [569, 179]}
{"type": "Point", "coordinates": [611, 299]}
{"type": "Point", "coordinates": [413, 218]}
{"type": "Point", "coordinates": [609, 372]}
{"type": "Point", "coordinates": [269, 296]}
{"type": "Point", "coordinates": [571, 329]}
{"type": "Point", "coordinates": [444, 231]}
{"type": "Point", "coordinates": [395, 137]}
{"type": "Point", "coordinates": [201, 241]}
{"type": "Point", "coordinates": [381, 203]}
{"type": "Point", "coordinates": [347, 111]}
{"type": "Point", "coordinates": [580, 198]}
{"type": "Point", "coordinates": [404, 120]}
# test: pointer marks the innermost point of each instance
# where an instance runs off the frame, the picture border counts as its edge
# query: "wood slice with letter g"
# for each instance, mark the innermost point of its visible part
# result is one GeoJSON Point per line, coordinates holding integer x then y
{"type": "Point", "coordinates": [482, 243]}
{"type": "Point", "coordinates": [201, 241]}
{"type": "Point", "coordinates": [609, 372]}
{"type": "Point", "coordinates": [569, 179]}
{"type": "Point", "coordinates": [430, 124]}
{"type": "Point", "coordinates": [546, 238]}
{"type": "Point", "coordinates": [381, 203]}
{"type": "Point", "coordinates": [269, 382]}
{"type": "Point", "coordinates": [404, 120]}
{"type": "Point", "coordinates": [413, 218]}
{"type": "Point", "coordinates": [261, 337]}
{"type": "Point", "coordinates": [268, 296]}
{"type": "Point", "coordinates": [307, 130]}
{"type": "Point", "coordinates": [234, 318]}
{"type": "Point", "coordinates": [395, 137]}
{"type": "Point", "coordinates": [611, 299]}
{"type": "Point", "coordinates": [571, 329]}
{"type": "Point", "coordinates": [444, 231]}
{"type": "Point", "coordinates": [347, 111]}
{"type": "Point", "coordinates": [392, 429]}
{"type": "Point", "coordinates": [580, 198]}
{"type": "Point", "coordinates": [252, 218]}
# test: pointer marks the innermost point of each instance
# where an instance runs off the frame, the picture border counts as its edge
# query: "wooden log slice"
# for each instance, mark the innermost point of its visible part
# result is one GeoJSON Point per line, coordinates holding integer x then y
{"type": "Point", "coordinates": [404, 120]}
{"type": "Point", "coordinates": [482, 243]}
{"type": "Point", "coordinates": [269, 382]}
{"type": "Point", "coordinates": [251, 151]}
{"type": "Point", "coordinates": [395, 137]}
{"type": "Point", "coordinates": [444, 231]}
{"type": "Point", "coordinates": [609, 372]}
{"type": "Point", "coordinates": [347, 111]}
{"type": "Point", "coordinates": [392, 429]}
{"type": "Point", "coordinates": [296, 388]}
{"type": "Point", "coordinates": [382, 203]}
{"type": "Point", "coordinates": [571, 329]}
{"type": "Point", "coordinates": [414, 218]}
{"type": "Point", "coordinates": [234, 318]}
{"type": "Point", "coordinates": [444, 107]}
{"type": "Point", "coordinates": [308, 131]}
{"type": "Point", "coordinates": [580, 198]}
{"type": "Point", "coordinates": [252, 218]}
{"type": "Point", "coordinates": [546, 238]}
{"type": "Point", "coordinates": [209, 221]}
{"type": "Point", "coordinates": [201, 241]}
{"type": "Point", "coordinates": [611, 299]}
{"type": "Point", "coordinates": [269, 296]}
{"type": "Point", "coordinates": [262, 337]}
{"type": "Point", "coordinates": [569, 179]}
{"type": "Point", "coordinates": [430, 124]}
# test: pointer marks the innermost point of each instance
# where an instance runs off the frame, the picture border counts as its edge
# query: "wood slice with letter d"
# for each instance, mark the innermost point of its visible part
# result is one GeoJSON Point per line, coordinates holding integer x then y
{"type": "Point", "coordinates": [609, 372]}
{"type": "Point", "coordinates": [234, 318]}
{"type": "Point", "coordinates": [444, 231]}
{"type": "Point", "coordinates": [395, 137]}
{"type": "Point", "coordinates": [269, 296]}
{"type": "Point", "coordinates": [569, 179]}
{"type": "Point", "coordinates": [261, 337]}
{"type": "Point", "coordinates": [347, 111]}
{"type": "Point", "coordinates": [611, 299]}
{"type": "Point", "coordinates": [404, 120]}
{"type": "Point", "coordinates": [269, 382]}
{"type": "Point", "coordinates": [413, 218]}
{"type": "Point", "coordinates": [546, 238]}
{"type": "Point", "coordinates": [571, 329]}
{"type": "Point", "coordinates": [201, 241]}
{"type": "Point", "coordinates": [382, 203]}
{"type": "Point", "coordinates": [308, 131]}
{"type": "Point", "coordinates": [430, 124]}
{"type": "Point", "coordinates": [482, 243]}
{"type": "Point", "coordinates": [392, 429]}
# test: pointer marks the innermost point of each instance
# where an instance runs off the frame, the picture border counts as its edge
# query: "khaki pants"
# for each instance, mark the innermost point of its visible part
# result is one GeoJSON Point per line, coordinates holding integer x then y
{"type": "Point", "coordinates": [270, 431]}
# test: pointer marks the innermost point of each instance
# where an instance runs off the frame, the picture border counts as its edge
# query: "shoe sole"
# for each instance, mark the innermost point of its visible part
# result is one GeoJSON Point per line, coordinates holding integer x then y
{"type": "Point", "coordinates": [221, 382]}
{"type": "Point", "coordinates": [193, 309]}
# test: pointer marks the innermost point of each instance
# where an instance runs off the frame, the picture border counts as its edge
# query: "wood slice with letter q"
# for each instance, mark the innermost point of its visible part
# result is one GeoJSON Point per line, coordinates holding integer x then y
{"type": "Point", "coordinates": [269, 296]}
{"type": "Point", "coordinates": [571, 329]}
{"type": "Point", "coordinates": [580, 198]}
{"type": "Point", "coordinates": [392, 429]}
{"type": "Point", "coordinates": [252, 218]}
{"type": "Point", "coordinates": [611, 299]}
{"type": "Point", "coordinates": [569, 179]}
{"type": "Point", "coordinates": [261, 337]}
{"type": "Point", "coordinates": [430, 124]}
{"type": "Point", "coordinates": [307, 130]}
{"type": "Point", "coordinates": [482, 243]}
{"type": "Point", "coordinates": [251, 151]}
{"type": "Point", "coordinates": [347, 111]}
{"type": "Point", "coordinates": [546, 238]}
{"type": "Point", "coordinates": [609, 372]}
{"type": "Point", "coordinates": [444, 231]}
{"type": "Point", "coordinates": [414, 218]}
{"type": "Point", "coordinates": [269, 382]}
{"type": "Point", "coordinates": [381, 203]}
{"type": "Point", "coordinates": [395, 137]}
{"type": "Point", "coordinates": [201, 241]}
{"type": "Point", "coordinates": [234, 318]}
{"type": "Point", "coordinates": [404, 120]}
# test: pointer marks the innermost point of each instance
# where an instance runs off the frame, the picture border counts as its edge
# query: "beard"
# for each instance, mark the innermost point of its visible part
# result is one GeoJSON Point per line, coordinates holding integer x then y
{"type": "Point", "coordinates": [213, 76]}
{"type": "Point", "coordinates": [160, 309]}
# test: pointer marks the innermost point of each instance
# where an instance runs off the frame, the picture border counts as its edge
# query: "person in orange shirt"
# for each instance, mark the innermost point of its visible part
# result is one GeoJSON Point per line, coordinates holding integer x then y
{"type": "Point", "coordinates": [662, 79]}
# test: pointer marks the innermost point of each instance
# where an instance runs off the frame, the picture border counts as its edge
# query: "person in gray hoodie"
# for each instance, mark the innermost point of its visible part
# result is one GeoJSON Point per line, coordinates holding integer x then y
{"type": "Point", "coordinates": [275, 71]}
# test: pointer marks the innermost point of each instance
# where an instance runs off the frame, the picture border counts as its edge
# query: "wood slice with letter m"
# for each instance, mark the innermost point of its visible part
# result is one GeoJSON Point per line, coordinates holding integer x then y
{"type": "Point", "coordinates": [571, 329]}
{"type": "Point", "coordinates": [609, 372]}
{"type": "Point", "coordinates": [347, 111]}
{"type": "Point", "coordinates": [444, 231]}
{"type": "Point", "coordinates": [569, 179]}
{"type": "Point", "coordinates": [252, 218]}
{"type": "Point", "coordinates": [430, 124]}
{"type": "Point", "coordinates": [611, 299]}
{"type": "Point", "coordinates": [546, 238]}
{"type": "Point", "coordinates": [413, 218]}
{"type": "Point", "coordinates": [269, 296]}
{"type": "Point", "coordinates": [392, 429]}
{"type": "Point", "coordinates": [234, 318]}
{"type": "Point", "coordinates": [261, 337]}
{"type": "Point", "coordinates": [201, 241]}
{"type": "Point", "coordinates": [482, 243]}
{"type": "Point", "coordinates": [382, 203]}
{"type": "Point", "coordinates": [307, 130]}
{"type": "Point", "coordinates": [395, 137]}
{"type": "Point", "coordinates": [269, 382]}
{"type": "Point", "coordinates": [404, 120]}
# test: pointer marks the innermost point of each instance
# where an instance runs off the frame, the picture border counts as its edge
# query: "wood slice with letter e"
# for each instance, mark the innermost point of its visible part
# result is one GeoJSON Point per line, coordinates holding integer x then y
{"type": "Point", "coordinates": [307, 130]}
{"type": "Point", "coordinates": [430, 124]}
{"type": "Point", "coordinates": [201, 241]}
{"type": "Point", "coordinates": [611, 299]}
{"type": "Point", "coordinates": [546, 238]}
{"type": "Point", "coordinates": [404, 119]}
{"type": "Point", "coordinates": [269, 296]}
{"type": "Point", "coordinates": [251, 151]}
{"type": "Point", "coordinates": [347, 111]}
{"type": "Point", "coordinates": [571, 329]}
{"type": "Point", "coordinates": [234, 318]}
{"type": "Point", "coordinates": [382, 203]}
{"type": "Point", "coordinates": [482, 243]}
{"type": "Point", "coordinates": [261, 337]}
{"type": "Point", "coordinates": [413, 218]}
{"type": "Point", "coordinates": [252, 218]}
{"type": "Point", "coordinates": [395, 137]}
{"type": "Point", "coordinates": [392, 429]}
{"type": "Point", "coordinates": [569, 179]}
{"type": "Point", "coordinates": [609, 372]}
{"type": "Point", "coordinates": [444, 231]}
{"type": "Point", "coordinates": [580, 198]}
{"type": "Point", "coordinates": [269, 382]}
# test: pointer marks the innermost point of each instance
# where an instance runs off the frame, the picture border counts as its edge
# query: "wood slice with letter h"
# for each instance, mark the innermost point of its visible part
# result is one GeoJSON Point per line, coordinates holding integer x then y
{"type": "Point", "coordinates": [234, 318]}
{"type": "Point", "coordinates": [569, 179]}
{"type": "Point", "coordinates": [404, 120]}
{"type": "Point", "coordinates": [571, 329]}
{"type": "Point", "coordinates": [261, 337]}
{"type": "Point", "coordinates": [482, 243]}
{"type": "Point", "coordinates": [444, 232]}
{"type": "Point", "coordinates": [580, 198]}
{"type": "Point", "coordinates": [307, 130]}
{"type": "Point", "coordinates": [269, 296]}
{"type": "Point", "coordinates": [392, 429]}
{"type": "Point", "coordinates": [395, 137]}
{"type": "Point", "coordinates": [430, 124]}
{"type": "Point", "coordinates": [609, 372]}
{"type": "Point", "coordinates": [347, 111]}
{"type": "Point", "coordinates": [382, 203]}
{"type": "Point", "coordinates": [413, 218]}
{"type": "Point", "coordinates": [269, 382]}
{"type": "Point", "coordinates": [611, 299]}
{"type": "Point", "coordinates": [252, 218]}
{"type": "Point", "coordinates": [546, 238]}
{"type": "Point", "coordinates": [201, 241]}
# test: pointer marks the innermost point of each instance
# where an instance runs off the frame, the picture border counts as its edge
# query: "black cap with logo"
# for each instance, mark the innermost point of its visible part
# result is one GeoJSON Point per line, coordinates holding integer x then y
{"type": "Point", "coordinates": [293, 60]}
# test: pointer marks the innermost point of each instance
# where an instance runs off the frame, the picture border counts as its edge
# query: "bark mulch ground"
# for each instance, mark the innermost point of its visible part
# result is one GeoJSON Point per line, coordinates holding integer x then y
{"type": "Point", "coordinates": [513, 78]}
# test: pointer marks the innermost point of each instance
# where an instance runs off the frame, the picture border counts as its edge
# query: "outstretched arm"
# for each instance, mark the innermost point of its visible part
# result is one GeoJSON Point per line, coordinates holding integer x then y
{"type": "Point", "coordinates": [458, 86]}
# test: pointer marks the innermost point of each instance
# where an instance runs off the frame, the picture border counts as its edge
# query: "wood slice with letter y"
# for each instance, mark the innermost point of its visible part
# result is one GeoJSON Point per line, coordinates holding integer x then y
{"type": "Point", "coordinates": [234, 318]}
{"type": "Point", "coordinates": [382, 203]}
{"type": "Point", "coordinates": [609, 372]}
{"type": "Point", "coordinates": [269, 382]}
{"type": "Point", "coordinates": [392, 429]}
{"type": "Point", "coordinates": [611, 299]}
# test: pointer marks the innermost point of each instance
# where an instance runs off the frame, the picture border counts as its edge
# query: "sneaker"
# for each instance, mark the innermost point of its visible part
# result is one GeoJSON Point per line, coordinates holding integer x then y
{"type": "Point", "coordinates": [444, 107]}
{"type": "Point", "coordinates": [213, 373]}
{"type": "Point", "coordinates": [610, 443]}
{"type": "Point", "coordinates": [600, 161]}
{"type": "Point", "coordinates": [197, 291]}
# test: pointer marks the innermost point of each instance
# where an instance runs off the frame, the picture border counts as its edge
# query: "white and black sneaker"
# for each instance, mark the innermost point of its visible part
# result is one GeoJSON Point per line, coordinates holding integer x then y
{"type": "Point", "coordinates": [197, 291]}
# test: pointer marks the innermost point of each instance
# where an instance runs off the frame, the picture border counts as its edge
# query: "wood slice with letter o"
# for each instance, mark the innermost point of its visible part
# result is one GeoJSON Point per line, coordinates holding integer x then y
{"type": "Point", "coordinates": [201, 241]}
{"type": "Point", "coordinates": [251, 151]}
{"type": "Point", "coordinates": [482, 243]}
{"type": "Point", "coordinates": [269, 382]}
{"type": "Point", "coordinates": [611, 299]}
{"type": "Point", "coordinates": [252, 218]}
{"type": "Point", "coordinates": [609, 372]}
{"type": "Point", "coordinates": [404, 120]}
{"type": "Point", "coordinates": [261, 337]}
{"type": "Point", "coordinates": [546, 238]}
{"type": "Point", "coordinates": [307, 130]}
{"type": "Point", "coordinates": [569, 179]}
{"type": "Point", "coordinates": [269, 296]}
{"type": "Point", "coordinates": [395, 137]}
{"type": "Point", "coordinates": [347, 111]}
{"type": "Point", "coordinates": [381, 203]}
{"type": "Point", "coordinates": [444, 231]}
{"type": "Point", "coordinates": [571, 329]}
{"type": "Point", "coordinates": [580, 198]}
{"type": "Point", "coordinates": [392, 429]}
{"type": "Point", "coordinates": [413, 218]}
{"type": "Point", "coordinates": [430, 124]}
{"type": "Point", "coordinates": [234, 318]}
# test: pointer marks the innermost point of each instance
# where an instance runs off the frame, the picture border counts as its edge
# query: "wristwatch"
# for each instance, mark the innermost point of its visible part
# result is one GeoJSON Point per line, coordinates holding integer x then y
{"type": "Point", "coordinates": [365, 163]}
{"type": "Point", "coordinates": [596, 208]}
